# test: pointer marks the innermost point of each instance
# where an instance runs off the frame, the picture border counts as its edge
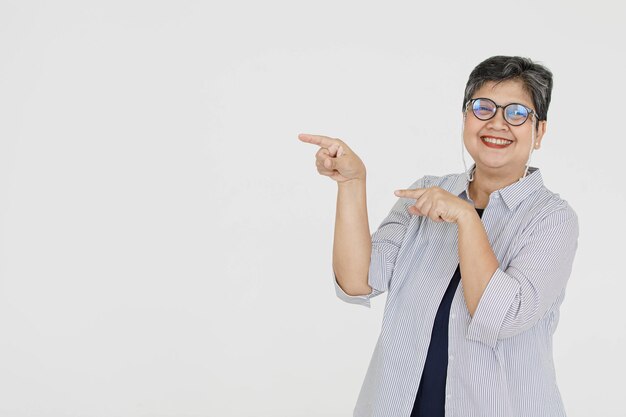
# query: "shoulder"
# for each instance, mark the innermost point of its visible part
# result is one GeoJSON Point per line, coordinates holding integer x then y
{"type": "Point", "coordinates": [548, 211]}
{"type": "Point", "coordinates": [550, 206]}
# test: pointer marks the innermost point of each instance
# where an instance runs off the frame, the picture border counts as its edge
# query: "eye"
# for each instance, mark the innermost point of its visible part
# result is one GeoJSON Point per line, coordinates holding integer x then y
{"type": "Point", "coordinates": [483, 108]}
{"type": "Point", "coordinates": [516, 112]}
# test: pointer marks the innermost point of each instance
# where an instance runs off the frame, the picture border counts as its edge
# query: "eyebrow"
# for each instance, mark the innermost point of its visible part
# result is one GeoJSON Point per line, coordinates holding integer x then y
{"type": "Point", "coordinates": [512, 102]}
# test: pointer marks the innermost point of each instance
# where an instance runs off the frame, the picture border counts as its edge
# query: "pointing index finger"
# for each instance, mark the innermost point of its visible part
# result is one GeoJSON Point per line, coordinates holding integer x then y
{"type": "Point", "coordinates": [410, 193]}
{"type": "Point", "coordinates": [323, 141]}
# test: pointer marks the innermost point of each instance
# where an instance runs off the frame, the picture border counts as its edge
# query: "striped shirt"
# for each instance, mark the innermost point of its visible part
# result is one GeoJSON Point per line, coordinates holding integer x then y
{"type": "Point", "coordinates": [500, 360]}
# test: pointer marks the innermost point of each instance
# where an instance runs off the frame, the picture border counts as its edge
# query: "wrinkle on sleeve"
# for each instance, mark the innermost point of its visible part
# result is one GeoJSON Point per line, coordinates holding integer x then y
{"type": "Point", "coordinates": [386, 243]}
{"type": "Point", "coordinates": [517, 298]}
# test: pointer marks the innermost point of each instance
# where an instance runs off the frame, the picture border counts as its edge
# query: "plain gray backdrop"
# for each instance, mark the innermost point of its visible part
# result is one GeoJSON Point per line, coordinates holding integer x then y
{"type": "Point", "coordinates": [166, 240]}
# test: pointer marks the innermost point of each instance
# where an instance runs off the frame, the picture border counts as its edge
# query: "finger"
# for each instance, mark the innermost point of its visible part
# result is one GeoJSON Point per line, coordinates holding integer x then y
{"type": "Point", "coordinates": [333, 149]}
{"type": "Point", "coordinates": [330, 164]}
{"type": "Point", "coordinates": [434, 216]}
{"type": "Point", "coordinates": [322, 155]}
{"type": "Point", "coordinates": [323, 141]}
{"type": "Point", "coordinates": [337, 150]}
{"type": "Point", "coordinates": [321, 165]}
{"type": "Point", "coordinates": [326, 165]}
{"type": "Point", "coordinates": [425, 207]}
{"type": "Point", "coordinates": [441, 211]}
{"type": "Point", "coordinates": [411, 193]}
{"type": "Point", "coordinates": [414, 211]}
{"type": "Point", "coordinates": [437, 211]}
{"type": "Point", "coordinates": [322, 152]}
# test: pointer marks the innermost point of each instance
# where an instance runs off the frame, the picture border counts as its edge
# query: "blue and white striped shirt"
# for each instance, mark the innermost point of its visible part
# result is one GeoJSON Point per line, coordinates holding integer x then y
{"type": "Point", "coordinates": [500, 360]}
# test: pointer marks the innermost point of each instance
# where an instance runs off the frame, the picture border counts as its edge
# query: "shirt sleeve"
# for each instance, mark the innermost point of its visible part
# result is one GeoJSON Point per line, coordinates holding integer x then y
{"type": "Point", "coordinates": [386, 243]}
{"type": "Point", "coordinates": [516, 299]}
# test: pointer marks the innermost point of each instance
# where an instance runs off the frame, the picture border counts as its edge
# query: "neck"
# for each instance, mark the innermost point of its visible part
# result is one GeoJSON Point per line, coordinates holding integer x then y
{"type": "Point", "coordinates": [486, 182]}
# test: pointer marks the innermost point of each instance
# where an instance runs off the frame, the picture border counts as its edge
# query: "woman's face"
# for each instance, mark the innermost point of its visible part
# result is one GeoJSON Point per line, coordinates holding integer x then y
{"type": "Point", "coordinates": [508, 161]}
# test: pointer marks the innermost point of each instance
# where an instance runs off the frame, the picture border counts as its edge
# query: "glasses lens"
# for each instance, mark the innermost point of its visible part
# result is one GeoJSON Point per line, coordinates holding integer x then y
{"type": "Point", "coordinates": [484, 109]}
{"type": "Point", "coordinates": [516, 114]}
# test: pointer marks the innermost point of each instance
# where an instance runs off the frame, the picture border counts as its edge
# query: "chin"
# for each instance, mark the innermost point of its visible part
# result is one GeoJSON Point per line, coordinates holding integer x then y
{"type": "Point", "coordinates": [508, 168]}
{"type": "Point", "coordinates": [490, 166]}
{"type": "Point", "coordinates": [493, 163]}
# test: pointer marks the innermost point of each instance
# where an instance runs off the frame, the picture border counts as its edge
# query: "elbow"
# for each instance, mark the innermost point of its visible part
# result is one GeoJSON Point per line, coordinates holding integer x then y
{"type": "Point", "coordinates": [367, 290]}
{"type": "Point", "coordinates": [354, 287]}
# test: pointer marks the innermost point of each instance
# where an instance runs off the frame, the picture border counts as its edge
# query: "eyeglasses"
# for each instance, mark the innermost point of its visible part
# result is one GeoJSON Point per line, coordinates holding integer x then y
{"type": "Point", "coordinates": [515, 114]}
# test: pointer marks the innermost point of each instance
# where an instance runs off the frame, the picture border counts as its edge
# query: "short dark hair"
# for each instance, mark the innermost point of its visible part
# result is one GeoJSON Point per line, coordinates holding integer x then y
{"type": "Point", "coordinates": [536, 78]}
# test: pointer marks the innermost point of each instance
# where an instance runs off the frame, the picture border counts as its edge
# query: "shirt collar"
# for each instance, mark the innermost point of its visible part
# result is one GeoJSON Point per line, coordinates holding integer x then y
{"type": "Point", "coordinates": [512, 194]}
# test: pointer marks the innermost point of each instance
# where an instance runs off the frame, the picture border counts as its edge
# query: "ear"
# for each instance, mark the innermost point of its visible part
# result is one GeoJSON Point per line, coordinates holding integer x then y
{"type": "Point", "coordinates": [541, 130]}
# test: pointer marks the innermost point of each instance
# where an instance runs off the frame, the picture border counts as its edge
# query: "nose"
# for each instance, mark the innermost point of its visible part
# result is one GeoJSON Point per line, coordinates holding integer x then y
{"type": "Point", "coordinates": [497, 122]}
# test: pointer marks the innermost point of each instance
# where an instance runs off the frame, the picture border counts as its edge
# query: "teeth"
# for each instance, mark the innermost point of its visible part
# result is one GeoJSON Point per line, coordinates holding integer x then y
{"type": "Point", "coordinates": [497, 141]}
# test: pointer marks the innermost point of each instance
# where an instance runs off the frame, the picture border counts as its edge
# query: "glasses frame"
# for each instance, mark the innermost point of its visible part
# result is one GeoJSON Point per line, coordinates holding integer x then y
{"type": "Point", "coordinates": [498, 106]}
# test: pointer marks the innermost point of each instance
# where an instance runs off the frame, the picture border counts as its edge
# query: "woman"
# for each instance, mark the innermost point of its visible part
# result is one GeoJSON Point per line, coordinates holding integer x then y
{"type": "Point", "coordinates": [475, 264]}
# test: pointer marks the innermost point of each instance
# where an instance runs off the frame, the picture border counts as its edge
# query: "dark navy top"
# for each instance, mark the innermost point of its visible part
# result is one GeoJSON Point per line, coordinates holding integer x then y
{"type": "Point", "coordinates": [431, 394]}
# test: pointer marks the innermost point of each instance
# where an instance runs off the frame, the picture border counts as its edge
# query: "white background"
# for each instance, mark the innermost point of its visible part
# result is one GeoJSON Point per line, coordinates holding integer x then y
{"type": "Point", "coordinates": [165, 238]}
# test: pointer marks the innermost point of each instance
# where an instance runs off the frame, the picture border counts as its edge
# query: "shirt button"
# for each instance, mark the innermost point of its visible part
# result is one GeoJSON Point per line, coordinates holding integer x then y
{"type": "Point", "coordinates": [451, 357]}
{"type": "Point", "coordinates": [452, 316]}
{"type": "Point", "coordinates": [448, 395]}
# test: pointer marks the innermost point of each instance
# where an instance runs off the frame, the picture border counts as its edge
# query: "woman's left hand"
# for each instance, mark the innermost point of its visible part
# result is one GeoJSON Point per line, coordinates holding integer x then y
{"type": "Point", "coordinates": [436, 203]}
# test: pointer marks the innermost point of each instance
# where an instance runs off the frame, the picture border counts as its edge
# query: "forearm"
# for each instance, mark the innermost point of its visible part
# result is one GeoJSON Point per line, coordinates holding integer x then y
{"type": "Point", "coordinates": [352, 242]}
{"type": "Point", "coordinates": [477, 261]}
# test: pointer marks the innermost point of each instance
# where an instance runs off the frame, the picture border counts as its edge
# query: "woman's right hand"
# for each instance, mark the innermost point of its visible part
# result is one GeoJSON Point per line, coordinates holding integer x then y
{"type": "Point", "coordinates": [335, 159]}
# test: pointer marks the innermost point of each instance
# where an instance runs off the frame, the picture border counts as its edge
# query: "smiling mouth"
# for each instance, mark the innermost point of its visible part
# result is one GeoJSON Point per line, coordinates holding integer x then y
{"type": "Point", "coordinates": [497, 143]}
